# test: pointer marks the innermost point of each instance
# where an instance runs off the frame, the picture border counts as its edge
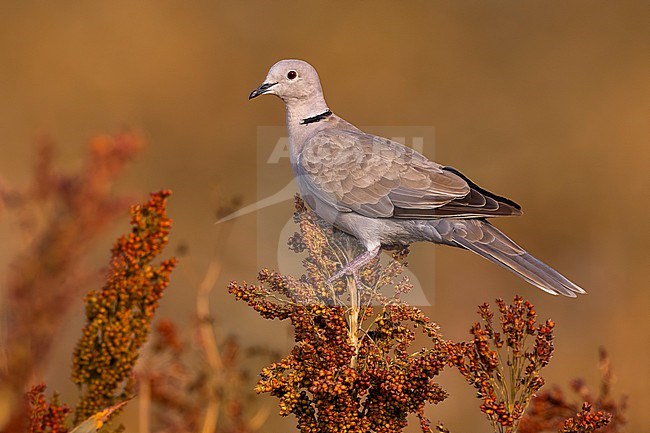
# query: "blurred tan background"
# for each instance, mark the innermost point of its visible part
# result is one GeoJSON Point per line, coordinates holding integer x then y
{"type": "Point", "coordinates": [543, 102]}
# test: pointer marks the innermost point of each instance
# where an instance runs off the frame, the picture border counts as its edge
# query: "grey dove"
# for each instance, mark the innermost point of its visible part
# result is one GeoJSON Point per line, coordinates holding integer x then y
{"type": "Point", "coordinates": [384, 193]}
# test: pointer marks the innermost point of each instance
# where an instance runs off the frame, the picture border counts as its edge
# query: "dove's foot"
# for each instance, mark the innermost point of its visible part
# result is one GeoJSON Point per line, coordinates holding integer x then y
{"type": "Point", "coordinates": [353, 267]}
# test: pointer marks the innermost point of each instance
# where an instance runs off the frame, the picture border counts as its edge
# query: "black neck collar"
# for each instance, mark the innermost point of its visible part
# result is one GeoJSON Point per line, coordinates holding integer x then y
{"type": "Point", "coordinates": [316, 118]}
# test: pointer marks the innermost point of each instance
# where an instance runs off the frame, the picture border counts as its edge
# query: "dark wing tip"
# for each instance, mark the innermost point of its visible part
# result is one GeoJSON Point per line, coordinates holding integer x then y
{"type": "Point", "coordinates": [484, 191]}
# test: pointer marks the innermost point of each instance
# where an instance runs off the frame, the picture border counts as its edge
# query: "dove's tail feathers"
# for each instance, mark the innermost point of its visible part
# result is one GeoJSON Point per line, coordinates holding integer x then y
{"type": "Point", "coordinates": [487, 241]}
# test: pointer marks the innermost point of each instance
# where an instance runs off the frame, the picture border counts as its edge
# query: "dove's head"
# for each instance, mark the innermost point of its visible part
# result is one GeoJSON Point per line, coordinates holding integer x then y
{"type": "Point", "coordinates": [292, 81]}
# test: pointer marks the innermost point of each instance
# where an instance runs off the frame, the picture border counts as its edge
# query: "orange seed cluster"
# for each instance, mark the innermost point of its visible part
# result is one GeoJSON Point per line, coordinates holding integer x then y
{"type": "Point", "coordinates": [119, 315]}
{"type": "Point", "coordinates": [44, 416]}
{"type": "Point", "coordinates": [504, 366]}
{"type": "Point", "coordinates": [329, 383]}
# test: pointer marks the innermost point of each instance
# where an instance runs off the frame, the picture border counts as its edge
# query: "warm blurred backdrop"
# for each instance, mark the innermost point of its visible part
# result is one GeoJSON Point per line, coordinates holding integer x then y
{"type": "Point", "coordinates": [543, 102]}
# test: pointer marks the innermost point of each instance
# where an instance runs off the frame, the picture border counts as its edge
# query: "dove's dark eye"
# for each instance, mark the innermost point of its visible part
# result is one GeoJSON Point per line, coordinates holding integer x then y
{"type": "Point", "coordinates": [292, 74]}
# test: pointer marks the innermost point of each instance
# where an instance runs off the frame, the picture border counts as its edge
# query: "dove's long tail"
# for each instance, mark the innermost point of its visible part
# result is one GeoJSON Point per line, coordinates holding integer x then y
{"type": "Point", "coordinates": [487, 241]}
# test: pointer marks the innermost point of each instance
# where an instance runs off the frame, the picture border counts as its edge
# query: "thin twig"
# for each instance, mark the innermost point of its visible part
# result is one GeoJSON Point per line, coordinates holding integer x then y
{"type": "Point", "coordinates": [257, 421]}
{"type": "Point", "coordinates": [144, 405]}
{"type": "Point", "coordinates": [206, 331]}
{"type": "Point", "coordinates": [208, 339]}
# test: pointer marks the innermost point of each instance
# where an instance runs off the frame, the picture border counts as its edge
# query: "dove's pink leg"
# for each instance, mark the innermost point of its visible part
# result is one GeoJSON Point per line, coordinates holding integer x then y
{"type": "Point", "coordinates": [357, 263]}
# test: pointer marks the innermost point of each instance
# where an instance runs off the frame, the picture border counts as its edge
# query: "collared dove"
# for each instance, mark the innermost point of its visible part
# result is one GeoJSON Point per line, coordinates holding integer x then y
{"type": "Point", "coordinates": [384, 193]}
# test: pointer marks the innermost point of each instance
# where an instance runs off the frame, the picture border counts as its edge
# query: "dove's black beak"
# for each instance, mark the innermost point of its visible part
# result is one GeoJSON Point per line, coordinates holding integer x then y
{"type": "Point", "coordinates": [261, 90]}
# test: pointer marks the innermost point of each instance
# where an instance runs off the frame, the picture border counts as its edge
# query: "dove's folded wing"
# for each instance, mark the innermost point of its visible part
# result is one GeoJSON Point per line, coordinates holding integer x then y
{"type": "Point", "coordinates": [379, 178]}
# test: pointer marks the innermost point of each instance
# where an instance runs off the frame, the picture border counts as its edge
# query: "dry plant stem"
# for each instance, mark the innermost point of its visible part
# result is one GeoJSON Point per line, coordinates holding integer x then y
{"type": "Point", "coordinates": [208, 337]}
{"type": "Point", "coordinates": [209, 341]}
{"type": "Point", "coordinates": [144, 406]}
{"type": "Point", "coordinates": [353, 319]}
{"type": "Point", "coordinates": [257, 421]}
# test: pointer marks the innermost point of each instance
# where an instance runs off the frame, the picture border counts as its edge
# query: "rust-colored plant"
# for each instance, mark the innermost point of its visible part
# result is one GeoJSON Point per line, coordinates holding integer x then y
{"type": "Point", "coordinates": [552, 410]}
{"type": "Point", "coordinates": [504, 365]}
{"type": "Point", "coordinates": [179, 393]}
{"type": "Point", "coordinates": [46, 416]}
{"type": "Point", "coordinates": [586, 421]}
{"type": "Point", "coordinates": [119, 318]}
{"type": "Point", "coordinates": [167, 387]}
{"type": "Point", "coordinates": [354, 367]}
{"type": "Point", "coordinates": [363, 360]}
{"type": "Point", "coordinates": [59, 216]}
